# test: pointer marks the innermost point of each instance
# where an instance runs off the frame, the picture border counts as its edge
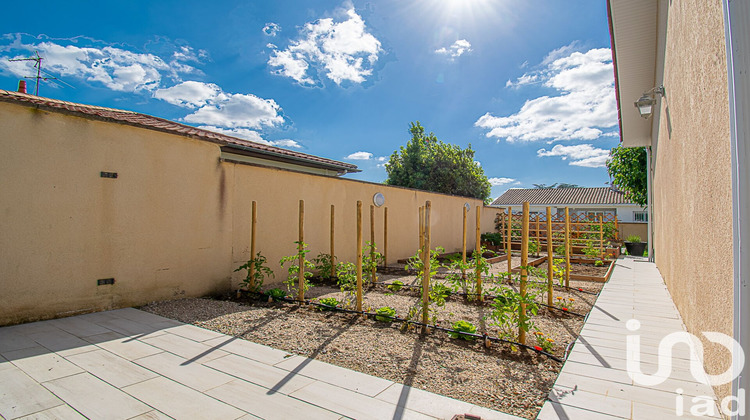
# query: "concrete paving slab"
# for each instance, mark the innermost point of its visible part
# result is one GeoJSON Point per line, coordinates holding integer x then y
{"type": "Point", "coordinates": [185, 347]}
{"type": "Point", "coordinates": [62, 342]}
{"type": "Point", "coordinates": [61, 412]}
{"type": "Point", "coordinates": [79, 326]}
{"type": "Point", "coordinates": [270, 377]}
{"type": "Point", "coordinates": [21, 395]}
{"type": "Point", "coordinates": [126, 347]}
{"type": "Point", "coordinates": [111, 368]}
{"type": "Point", "coordinates": [335, 375]}
{"type": "Point", "coordinates": [555, 411]}
{"type": "Point", "coordinates": [180, 402]}
{"type": "Point", "coordinates": [194, 375]}
{"type": "Point", "coordinates": [248, 349]}
{"type": "Point", "coordinates": [152, 415]}
{"type": "Point", "coordinates": [193, 333]}
{"type": "Point", "coordinates": [95, 398]}
{"type": "Point", "coordinates": [42, 364]}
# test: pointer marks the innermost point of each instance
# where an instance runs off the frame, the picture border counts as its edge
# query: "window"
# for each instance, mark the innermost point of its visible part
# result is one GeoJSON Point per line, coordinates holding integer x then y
{"type": "Point", "coordinates": [640, 216]}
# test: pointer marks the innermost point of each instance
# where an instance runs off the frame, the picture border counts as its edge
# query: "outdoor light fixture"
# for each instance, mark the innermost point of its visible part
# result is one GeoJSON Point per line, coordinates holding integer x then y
{"type": "Point", "coordinates": [378, 199]}
{"type": "Point", "coordinates": [646, 104]}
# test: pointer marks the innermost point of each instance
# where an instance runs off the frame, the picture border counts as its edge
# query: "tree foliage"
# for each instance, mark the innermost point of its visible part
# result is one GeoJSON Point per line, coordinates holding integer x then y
{"type": "Point", "coordinates": [555, 185]}
{"type": "Point", "coordinates": [628, 168]}
{"type": "Point", "coordinates": [429, 164]}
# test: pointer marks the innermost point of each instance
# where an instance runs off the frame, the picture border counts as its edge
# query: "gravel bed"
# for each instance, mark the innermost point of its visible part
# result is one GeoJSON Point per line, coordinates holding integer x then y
{"type": "Point", "coordinates": [500, 377]}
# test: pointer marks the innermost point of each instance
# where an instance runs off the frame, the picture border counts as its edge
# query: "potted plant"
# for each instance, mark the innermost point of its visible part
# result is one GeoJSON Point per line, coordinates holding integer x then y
{"type": "Point", "coordinates": [634, 245]}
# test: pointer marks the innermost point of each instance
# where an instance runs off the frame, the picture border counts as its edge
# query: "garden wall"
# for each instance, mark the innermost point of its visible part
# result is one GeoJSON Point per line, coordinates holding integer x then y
{"type": "Point", "coordinates": [174, 223]}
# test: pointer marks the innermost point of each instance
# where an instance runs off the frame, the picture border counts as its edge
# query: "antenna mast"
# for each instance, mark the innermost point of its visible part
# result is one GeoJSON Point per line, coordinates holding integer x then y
{"type": "Point", "coordinates": [38, 66]}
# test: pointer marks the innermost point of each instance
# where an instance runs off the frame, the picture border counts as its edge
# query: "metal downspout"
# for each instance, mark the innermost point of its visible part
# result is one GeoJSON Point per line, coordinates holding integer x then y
{"type": "Point", "coordinates": [737, 39]}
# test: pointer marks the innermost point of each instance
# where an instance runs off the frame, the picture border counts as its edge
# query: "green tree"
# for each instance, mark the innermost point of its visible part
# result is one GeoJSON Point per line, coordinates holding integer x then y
{"type": "Point", "coordinates": [429, 164]}
{"type": "Point", "coordinates": [627, 167]}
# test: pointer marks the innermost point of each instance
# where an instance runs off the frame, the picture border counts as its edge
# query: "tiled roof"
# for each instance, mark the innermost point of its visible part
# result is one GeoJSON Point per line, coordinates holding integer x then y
{"type": "Point", "coordinates": [160, 124]}
{"type": "Point", "coordinates": [558, 196]}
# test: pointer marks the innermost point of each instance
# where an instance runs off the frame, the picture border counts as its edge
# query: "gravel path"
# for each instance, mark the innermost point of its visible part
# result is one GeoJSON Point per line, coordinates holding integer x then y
{"type": "Point", "coordinates": [500, 378]}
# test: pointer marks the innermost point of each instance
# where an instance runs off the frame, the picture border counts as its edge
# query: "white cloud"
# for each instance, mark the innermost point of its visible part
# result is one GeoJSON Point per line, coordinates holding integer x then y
{"type": "Point", "coordinates": [580, 155]}
{"type": "Point", "coordinates": [584, 107]}
{"type": "Point", "coordinates": [189, 94]}
{"type": "Point", "coordinates": [495, 182]}
{"type": "Point", "coordinates": [342, 51]}
{"type": "Point", "coordinates": [455, 50]}
{"type": "Point", "coordinates": [115, 68]}
{"type": "Point", "coordinates": [271, 29]}
{"type": "Point", "coordinates": [237, 111]}
{"type": "Point", "coordinates": [360, 156]}
{"type": "Point", "coordinates": [251, 135]}
{"type": "Point", "coordinates": [382, 159]}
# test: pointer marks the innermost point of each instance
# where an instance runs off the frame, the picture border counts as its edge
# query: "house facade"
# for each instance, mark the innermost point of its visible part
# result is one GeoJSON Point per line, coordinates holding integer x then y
{"type": "Point", "coordinates": [684, 65]}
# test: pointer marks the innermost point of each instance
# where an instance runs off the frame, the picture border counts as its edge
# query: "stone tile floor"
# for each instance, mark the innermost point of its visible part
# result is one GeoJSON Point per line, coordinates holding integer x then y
{"type": "Point", "coordinates": [129, 364]}
{"type": "Point", "coordinates": [594, 382]}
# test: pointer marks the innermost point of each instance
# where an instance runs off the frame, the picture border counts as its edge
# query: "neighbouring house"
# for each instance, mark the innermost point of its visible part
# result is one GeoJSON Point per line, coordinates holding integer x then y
{"type": "Point", "coordinates": [104, 208]}
{"type": "Point", "coordinates": [684, 65]}
{"type": "Point", "coordinates": [583, 202]}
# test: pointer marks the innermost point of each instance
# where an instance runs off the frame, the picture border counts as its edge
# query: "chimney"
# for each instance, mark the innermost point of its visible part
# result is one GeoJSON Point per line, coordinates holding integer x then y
{"type": "Point", "coordinates": [22, 86]}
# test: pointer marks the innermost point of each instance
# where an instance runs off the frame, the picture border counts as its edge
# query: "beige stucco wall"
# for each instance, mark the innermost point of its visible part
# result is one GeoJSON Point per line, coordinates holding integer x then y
{"type": "Point", "coordinates": [635, 228]}
{"type": "Point", "coordinates": [176, 221]}
{"type": "Point", "coordinates": [692, 190]}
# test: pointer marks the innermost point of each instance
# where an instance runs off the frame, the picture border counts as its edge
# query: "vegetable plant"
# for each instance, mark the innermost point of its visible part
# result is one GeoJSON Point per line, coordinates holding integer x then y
{"type": "Point", "coordinates": [293, 269]}
{"type": "Point", "coordinates": [260, 272]}
{"type": "Point", "coordinates": [599, 263]}
{"type": "Point", "coordinates": [533, 247]}
{"type": "Point", "coordinates": [276, 293]}
{"type": "Point", "coordinates": [346, 275]}
{"type": "Point", "coordinates": [544, 343]}
{"type": "Point", "coordinates": [331, 302]}
{"type": "Point", "coordinates": [463, 326]}
{"type": "Point", "coordinates": [323, 265]}
{"type": "Point", "coordinates": [506, 312]}
{"type": "Point", "coordinates": [590, 251]}
{"type": "Point", "coordinates": [493, 238]}
{"type": "Point", "coordinates": [395, 286]}
{"type": "Point", "coordinates": [370, 261]}
{"type": "Point", "coordinates": [385, 314]}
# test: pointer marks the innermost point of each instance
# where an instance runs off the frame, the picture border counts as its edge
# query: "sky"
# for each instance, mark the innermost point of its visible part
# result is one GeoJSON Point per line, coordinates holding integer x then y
{"type": "Point", "coordinates": [528, 84]}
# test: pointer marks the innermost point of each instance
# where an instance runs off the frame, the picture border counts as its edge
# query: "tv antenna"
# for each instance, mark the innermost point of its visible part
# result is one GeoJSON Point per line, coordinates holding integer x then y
{"type": "Point", "coordinates": [39, 77]}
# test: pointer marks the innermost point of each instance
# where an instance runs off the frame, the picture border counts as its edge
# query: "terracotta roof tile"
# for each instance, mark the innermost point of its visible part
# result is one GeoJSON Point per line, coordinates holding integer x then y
{"type": "Point", "coordinates": [552, 196]}
{"type": "Point", "coordinates": [161, 124]}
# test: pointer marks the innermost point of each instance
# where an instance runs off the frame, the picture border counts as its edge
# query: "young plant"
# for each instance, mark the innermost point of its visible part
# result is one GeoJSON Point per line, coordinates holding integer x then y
{"type": "Point", "coordinates": [292, 280]}
{"type": "Point", "coordinates": [260, 272]}
{"type": "Point", "coordinates": [533, 247]}
{"type": "Point", "coordinates": [459, 276]}
{"type": "Point", "coordinates": [395, 286]}
{"type": "Point", "coordinates": [543, 343]}
{"type": "Point", "coordinates": [385, 314]}
{"type": "Point", "coordinates": [465, 327]}
{"type": "Point", "coordinates": [599, 263]}
{"type": "Point", "coordinates": [331, 302]}
{"type": "Point", "coordinates": [493, 238]}
{"type": "Point", "coordinates": [371, 259]}
{"type": "Point", "coordinates": [565, 304]}
{"type": "Point", "coordinates": [633, 238]}
{"type": "Point", "coordinates": [276, 294]}
{"type": "Point", "coordinates": [346, 275]}
{"type": "Point", "coordinates": [323, 265]}
{"type": "Point", "coordinates": [590, 251]}
{"type": "Point", "coordinates": [438, 293]}
{"type": "Point", "coordinates": [506, 314]}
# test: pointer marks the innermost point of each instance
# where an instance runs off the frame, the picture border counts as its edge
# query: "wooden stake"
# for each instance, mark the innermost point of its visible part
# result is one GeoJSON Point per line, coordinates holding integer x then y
{"type": "Point", "coordinates": [463, 246]}
{"type": "Point", "coordinates": [601, 237]}
{"type": "Point", "coordinates": [301, 281]}
{"type": "Point", "coordinates": [536, 232]}
{"type": "Point", "coordinates": [508, 248]}
{"type": "Point", "coordinates": [550, 256]}
{"type": "Point", "coordinates": [333, 254]}
{"type": "Point", "coordinates": [385, 237]}
{"type": "Point", "coordinates": [567, 247]}
{"type": "Point", "coordinates": [372, 243]}
{"type": "Point", "coordinates": [253, 224]}
{"type": "Point", "coordinates": [359, 255]}
{"type": "Point", "coordinates": [478, 248]}
{"type": "Point", "coordinates": [524, 271]}
{"type": "Point", "coordinates": [617, 229]}
{"type": "Point", "coordinates": [421, 232]}
{"type": "Point", "coordinates": [426, 265]}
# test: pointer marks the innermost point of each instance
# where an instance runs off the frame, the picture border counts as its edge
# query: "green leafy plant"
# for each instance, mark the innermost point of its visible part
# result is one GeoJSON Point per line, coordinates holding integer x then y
{"type": "Point", "coordinates": [395, 286]}
{"type": "Point", "coordinates": [533, 247]}
{"type": "Point", "coordinates": [323, 265]}
{"type": "Point", "coordinates": [633, 238]}
{"type": "Point", "coordinates": [371, 259]}
{"type": "Point", "coordinates": [599, 263]}
{"type": "Point", "coordinates": [385, 314]}
{"type": "Point", "coordinates": [292, 280]}
{"type": "Point", "coordinates": [260, 272]}
{"type": "Point", "coordinates": [276, 293]}
{"type": "Point", "coordinates": [332, 302]}
{"type": "Point", "coordinates": [544, 343]}
{"type": "Point", "coordinates": [628, 167]}
{"type": "Point", "coordinates": [506, 314]}
{"type": "Point", "coordinates": [346, 275]}
{"type": "Point", "coordinates": [465, 327]}
{"type": "Point", "coordinates": [565, 304]}
{"type": "Point", "coordinates": [590, 251]}
{"type": "Point", "coordinates": [438, 293]}
{"type": "Point", "coordinates": [560, 250]}
{"type": "Point", "coordinates": [459, 276]}
{"type": "Point", "coordinates": [493, 238]}
{"type": "Point", "coordinates": [415, 262]}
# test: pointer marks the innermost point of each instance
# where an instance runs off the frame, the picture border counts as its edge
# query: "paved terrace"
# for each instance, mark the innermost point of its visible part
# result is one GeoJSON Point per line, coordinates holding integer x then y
{"type": "Point", "coordinates": [594, 383]}
{"type": "Point", "coordinates": [130, 364]}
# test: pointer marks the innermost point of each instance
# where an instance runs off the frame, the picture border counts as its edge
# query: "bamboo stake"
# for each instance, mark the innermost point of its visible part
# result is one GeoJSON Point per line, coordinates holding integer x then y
{"type": "Point", "coordinates": [524, 271]}
{"type": "Point", "coordinates": [333, 255]}
{"type": "Point", "coordinates": [301, 280]}
{"type": "Point", "coordinates": [359, 255]}
{"type": "Point", "coordinates": [550, 256]}
{"type": "Point", "coordinates": [463, 248]}
{"type": "Point", "coordinates": [372, 244]}
{"type": "Point", "coordinates": [567, 247]}
{"type": "Point", "coordinates": [421, 232]}
{"type": "Point", "coordinates": [385, 237]}
{"type": "Point", "coordinates": [601, 237]}
{"type": "Point", "coordinates": [479, 254]}
{"type": "Point", "coordinates": [426, 265]}
{"type": "Point", "coordinates": [253, 224]}
{"type": "Point", "coordinates": [507, 242]}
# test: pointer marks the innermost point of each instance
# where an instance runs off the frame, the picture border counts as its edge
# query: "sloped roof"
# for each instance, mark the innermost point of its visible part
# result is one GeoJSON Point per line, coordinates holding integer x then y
{"type": "Point", "coordinates": [159, 124]}
{"type": "Point", "coordinates": [558, 196]}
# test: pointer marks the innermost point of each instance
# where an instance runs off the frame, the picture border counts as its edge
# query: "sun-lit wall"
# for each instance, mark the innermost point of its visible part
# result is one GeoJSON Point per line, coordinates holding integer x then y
{"type": "Point", "coordinates": [176, 220]}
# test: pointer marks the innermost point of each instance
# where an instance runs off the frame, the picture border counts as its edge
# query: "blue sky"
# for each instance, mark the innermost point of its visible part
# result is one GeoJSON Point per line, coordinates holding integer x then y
{"type": "Point", "coordinates": [528, 84]}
